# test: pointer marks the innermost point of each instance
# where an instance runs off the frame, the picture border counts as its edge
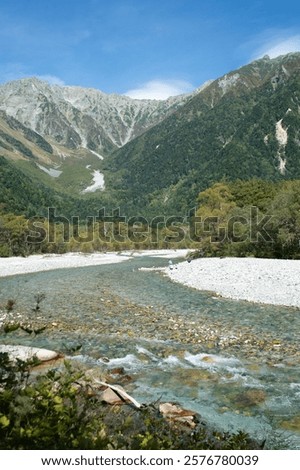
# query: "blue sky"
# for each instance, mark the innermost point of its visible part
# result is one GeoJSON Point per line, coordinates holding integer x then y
{"type": "Point", "coordinates": [143, 48]}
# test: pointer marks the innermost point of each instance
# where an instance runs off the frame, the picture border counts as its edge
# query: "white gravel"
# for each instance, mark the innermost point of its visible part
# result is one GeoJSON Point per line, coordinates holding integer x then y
{"type": "Point", "coordinates": [268, 281]}
{"type": "Point", "coordinates": [36, 263]}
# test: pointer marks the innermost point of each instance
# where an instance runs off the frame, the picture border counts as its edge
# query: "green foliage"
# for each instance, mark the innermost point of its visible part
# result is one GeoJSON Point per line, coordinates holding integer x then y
{"type": "Point", "coordinates": [13, 235]}
{"type": "Point", "coordinates": [216, 135]}
{"type": "Point", "coordinates": [227, 210]}
{"type": "Point", "coordinates": [21, 194]}
{"type": "Point", "coordinates": [9, 327]}
{"type": "Point", "coordinates": [61, 410]}
{"type": "Point", "coordinates": [238, 207]}
{"type": "Point", "coordinates": [285, 208]}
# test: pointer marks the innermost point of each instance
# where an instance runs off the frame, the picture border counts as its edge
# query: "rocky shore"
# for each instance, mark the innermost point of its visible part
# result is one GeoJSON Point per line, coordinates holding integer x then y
{"type": "Point", "coordinates": [204, 340]}
{"type": "Point", "coordinates": [122, 318]}
{"type": "Point", "coordinates": [36, 263]}
{"type": "Point", "coordinates": [267, 281]}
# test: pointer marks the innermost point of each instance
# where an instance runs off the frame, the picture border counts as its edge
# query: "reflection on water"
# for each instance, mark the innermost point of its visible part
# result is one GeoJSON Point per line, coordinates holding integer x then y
{"type": "Point", "coordinates": [109, 312]}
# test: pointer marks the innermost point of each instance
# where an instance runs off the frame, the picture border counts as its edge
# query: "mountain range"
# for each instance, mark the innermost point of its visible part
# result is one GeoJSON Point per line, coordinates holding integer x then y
{"type": "Point", "coordinates": [151, 156]}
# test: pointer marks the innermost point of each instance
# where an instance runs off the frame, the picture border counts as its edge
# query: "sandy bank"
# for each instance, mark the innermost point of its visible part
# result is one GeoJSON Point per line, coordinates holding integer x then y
{"type": "Point", "coordinates": [270, 281]}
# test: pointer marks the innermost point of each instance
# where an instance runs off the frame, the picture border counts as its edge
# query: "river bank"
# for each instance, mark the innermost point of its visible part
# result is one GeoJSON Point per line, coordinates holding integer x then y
{"type": "Point", "coordinates": [46, 262]}
{"type": "Point", "coordinates": [267, 281]}
{"type": "Point", "coordinates": [234, 363]}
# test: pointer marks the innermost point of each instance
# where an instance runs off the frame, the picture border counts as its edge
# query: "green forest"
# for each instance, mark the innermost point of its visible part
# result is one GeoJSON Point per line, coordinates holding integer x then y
{"type": "Point", "coordinates": [242, 218]}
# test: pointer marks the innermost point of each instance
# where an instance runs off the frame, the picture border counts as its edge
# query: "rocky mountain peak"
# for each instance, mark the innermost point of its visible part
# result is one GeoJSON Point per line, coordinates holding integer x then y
{"type": "Point", "coordinates": [95, 120]}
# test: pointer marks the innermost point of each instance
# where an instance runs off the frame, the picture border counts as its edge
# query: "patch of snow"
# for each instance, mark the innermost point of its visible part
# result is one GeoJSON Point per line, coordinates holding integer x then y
{"type": "Point", "coordinates": [50, 171]}
{"type": "Point", "coordinates": [88, 166]}
{"type": "Point", "coordinates": [98, 183]}
{"type": "Point", "coordinates": [266, 139]}
{"type": "Point", "coordinates": [83, 139]}
{"type": "Point", "coordinates": [227, 141]}
{"type": "Point", "coordinates": [282, 164]}
{"type": "Point", "coordinates": [285, 71]}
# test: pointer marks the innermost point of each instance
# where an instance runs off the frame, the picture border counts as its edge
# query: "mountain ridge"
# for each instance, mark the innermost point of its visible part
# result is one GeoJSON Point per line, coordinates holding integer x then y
{"type": "Point", "coordinates": [84, 117]}
{"type": "Point", "coordinates": [157, 155]}
{"type": "Point", "coordinates": [230, 130]}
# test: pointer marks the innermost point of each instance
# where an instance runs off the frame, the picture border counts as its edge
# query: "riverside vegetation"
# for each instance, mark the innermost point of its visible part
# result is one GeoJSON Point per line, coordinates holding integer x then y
{"type": "Point", "coordinates": [241, 218]}
{"type": "Point", "coordinates": [61, 409]}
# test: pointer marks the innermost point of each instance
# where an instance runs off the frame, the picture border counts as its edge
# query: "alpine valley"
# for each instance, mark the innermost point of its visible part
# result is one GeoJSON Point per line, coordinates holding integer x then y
{"type": "Point", "coordinates": [80, 149]}
{"type": "Point", "coordinates": [208, 348]}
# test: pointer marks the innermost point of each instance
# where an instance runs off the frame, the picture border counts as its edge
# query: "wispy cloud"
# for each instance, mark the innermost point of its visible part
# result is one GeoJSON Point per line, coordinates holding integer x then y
{"type": "Point", "coordinates": [276, 43]}
{"type": "Point", "coordinates": [160, 89]}
{"type": "Point", "coordinates": [51, 79]}
{"type": "Point", "coordinates": [15, 71]}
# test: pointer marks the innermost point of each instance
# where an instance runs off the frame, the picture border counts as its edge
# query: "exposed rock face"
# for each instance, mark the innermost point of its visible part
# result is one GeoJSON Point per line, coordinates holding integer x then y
{"type": "Point", "coordinates": [243, 125]}
{"type": "Point", "coordinates": [80, 117]}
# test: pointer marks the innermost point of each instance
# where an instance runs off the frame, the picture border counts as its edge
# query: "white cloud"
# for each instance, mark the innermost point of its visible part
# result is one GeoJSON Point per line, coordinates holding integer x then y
{"type": "Point", "coordinates": [160, 89]}
{"type": "Point", "coordinates": [51, 79]}
{"type": "Point", "coordinates": [276, 44]}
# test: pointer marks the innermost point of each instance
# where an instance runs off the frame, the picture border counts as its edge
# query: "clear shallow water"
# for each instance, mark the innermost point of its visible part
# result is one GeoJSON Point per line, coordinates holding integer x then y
{"type": "Point", "coordinates": [254, 389]}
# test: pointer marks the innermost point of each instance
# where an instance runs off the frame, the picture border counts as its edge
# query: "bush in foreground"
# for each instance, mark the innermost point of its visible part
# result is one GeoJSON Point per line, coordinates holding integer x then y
{"type": "Point", "coordinates": [62, 410]}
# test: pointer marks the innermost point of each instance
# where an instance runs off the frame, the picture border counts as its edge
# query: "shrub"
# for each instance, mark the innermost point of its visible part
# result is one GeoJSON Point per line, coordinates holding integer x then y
{"type": "Point", "coordinates": [60, 409]}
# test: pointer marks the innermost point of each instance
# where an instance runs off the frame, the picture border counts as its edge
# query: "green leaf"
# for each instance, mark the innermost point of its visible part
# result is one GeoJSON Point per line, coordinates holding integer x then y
{"type": "Point", "coordinates": [4, 421]}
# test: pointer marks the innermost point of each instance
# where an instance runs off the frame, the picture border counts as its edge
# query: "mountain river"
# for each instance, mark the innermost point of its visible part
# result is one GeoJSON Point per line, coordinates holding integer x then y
{"type": "Point", "coordinates": [235, 363]}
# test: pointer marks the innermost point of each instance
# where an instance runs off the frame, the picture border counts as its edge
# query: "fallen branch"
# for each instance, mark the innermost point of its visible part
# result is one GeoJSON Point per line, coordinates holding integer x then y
{"type": "Point", "coordinates": [121, 393]}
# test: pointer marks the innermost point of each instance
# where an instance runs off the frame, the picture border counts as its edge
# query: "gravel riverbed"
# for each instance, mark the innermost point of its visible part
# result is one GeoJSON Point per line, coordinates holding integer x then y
{"type": "Point", "coordinates": [267, 281]}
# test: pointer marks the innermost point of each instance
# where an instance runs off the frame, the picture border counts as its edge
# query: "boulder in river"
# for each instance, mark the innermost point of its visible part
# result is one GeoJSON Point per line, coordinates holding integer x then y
{"type": "Point", "coordinates": [111, 397]}
{"type": "Point", "coordinates": [178, 415]}
{"type": "Point", "coordinates": [25, 353]}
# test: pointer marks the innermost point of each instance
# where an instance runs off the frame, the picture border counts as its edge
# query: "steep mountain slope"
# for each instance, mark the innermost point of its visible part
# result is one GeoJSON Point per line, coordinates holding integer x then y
{"type": "Point", "coordinates": [243, 125]}
{"type": "Point", "coordinates": [25, 193]}
{"type": "Point", "coordinates": [61, 168]}
{"type": "Point", "coordinates": [62, 134]}
{"type": "Point", "coordinates": [78, 117]}
{"type": "Point", "coordinates": [19, 142]}
{"type": "Point", "coordinates": [21, 194]}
